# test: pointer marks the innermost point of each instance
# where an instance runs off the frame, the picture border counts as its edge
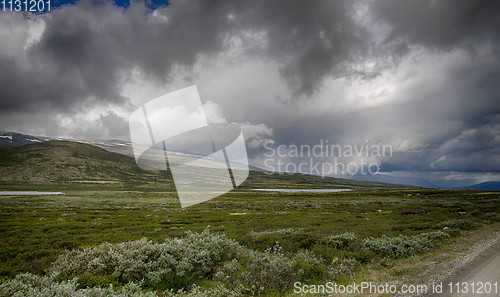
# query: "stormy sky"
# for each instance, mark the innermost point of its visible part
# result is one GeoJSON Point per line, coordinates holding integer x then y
{"type": "Point", "coordinates": [421, 76]}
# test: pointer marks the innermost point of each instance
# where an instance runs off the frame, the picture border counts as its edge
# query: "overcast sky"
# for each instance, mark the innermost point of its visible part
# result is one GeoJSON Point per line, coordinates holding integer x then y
{"type": "Point", "coordinates": [421, 76]}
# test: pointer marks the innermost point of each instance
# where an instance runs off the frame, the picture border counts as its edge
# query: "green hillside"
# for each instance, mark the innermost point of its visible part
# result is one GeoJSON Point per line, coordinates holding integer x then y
{"type": "Point", "coordinates": [65, 162]}
{"type": "Point", "coordinates": [70, 162]}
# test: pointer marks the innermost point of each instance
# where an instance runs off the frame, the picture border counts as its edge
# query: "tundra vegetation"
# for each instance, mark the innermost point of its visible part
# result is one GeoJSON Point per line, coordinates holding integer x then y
{"type": "Point", "coordinates": [117, 232]}
{"type": "Point", "coordinates": [94, 241]}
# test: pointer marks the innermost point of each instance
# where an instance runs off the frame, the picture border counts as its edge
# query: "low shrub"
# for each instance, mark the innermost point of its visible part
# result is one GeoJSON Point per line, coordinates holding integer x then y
{"type": "Point", "coordinates": [88, 280]}
{"type": "Point", "coordinates": [174, 265]}
{"type": "Point", "coordinates": [459, 224]}
{"type": "Point", "coordinates": [196, 255]}
{"type": "Point", "coordinates": [400, 246]}
{"type": "Point", "coordinates": [271, 232]}
{"type": "Point", "coordinates": [404, 246]}
{"type": "Point", "coordinates": [303, 240]}
{"type": "Point", "coordinates": [28, 285]}
{"type": "Point", "coordinates": [341, 268]}
{"type": "Point", "coordinates": [340, 241]}
{"type": "Point", "coordinates": [433, 238]}
{"type": "Point", "coordinates": [197, 291]}
{"type": "Point", "coordinates": [307, 266]}
{"type": "Point", "coordinates": [259, 272]}
{"type": "Point", "coordinates": [267, 272]}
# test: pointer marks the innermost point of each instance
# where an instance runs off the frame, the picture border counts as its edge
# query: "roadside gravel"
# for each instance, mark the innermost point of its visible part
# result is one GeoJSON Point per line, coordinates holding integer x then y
{"type": "Point", "coordinates": [474, 265]}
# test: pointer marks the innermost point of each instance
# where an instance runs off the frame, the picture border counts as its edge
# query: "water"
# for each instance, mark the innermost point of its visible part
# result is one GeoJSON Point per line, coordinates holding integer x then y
{"type": "Point", "coordinates": [303, 190]}
{"type": "Point", "coordinates": [23, 193]}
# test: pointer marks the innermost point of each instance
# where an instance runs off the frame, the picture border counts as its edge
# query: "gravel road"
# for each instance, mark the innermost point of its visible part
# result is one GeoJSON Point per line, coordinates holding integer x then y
{"type": "Point", "coordinates": [480, 265]}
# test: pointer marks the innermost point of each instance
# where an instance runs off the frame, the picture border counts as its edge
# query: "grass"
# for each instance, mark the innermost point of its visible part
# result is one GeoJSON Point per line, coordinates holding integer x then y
{"type": "Point", "coordinates": [320, 236]}
{"type": "Point", "coordinates": [37, 229]}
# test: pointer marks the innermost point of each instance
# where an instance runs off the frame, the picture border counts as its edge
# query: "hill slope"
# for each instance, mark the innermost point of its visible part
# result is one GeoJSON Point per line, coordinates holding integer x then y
{"type": "Point", "coordinates": [73, 162]}
{"type": "Point", "coordinates": [65, 161]}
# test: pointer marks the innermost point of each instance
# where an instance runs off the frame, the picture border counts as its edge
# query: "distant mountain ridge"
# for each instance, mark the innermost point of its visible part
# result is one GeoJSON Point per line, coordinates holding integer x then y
{"type": "Point", "coordinates": [55, 161]}
{"type": "Point", "coordinates": [17, 139]}
{"type": "Point", "coordinates": [412, 181]}
{"type": "Point", "coordinates": [486, 186]}
{"type": "Point", "coordinates": [124, 148]}
{"type": "Point", "coordinates": [423, 183]}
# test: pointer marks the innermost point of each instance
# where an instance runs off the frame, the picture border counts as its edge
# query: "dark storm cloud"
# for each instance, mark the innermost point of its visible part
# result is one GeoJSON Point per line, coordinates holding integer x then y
{"type": "Point", "coordinates": [446, 121]}
{"type": "Point", "coordinates": [85, 48]}
{"type": "Point", "coordinates": [453, 121]}
{"type": "Point", "coordinates": [460, 117]}
{"type": "Point", "coordinates": [440, 24]}
{"type": "Point", "coordinates": [448, 114]}
{"type": "Point", "coordinates": [311, 40]}
{"type": "Point", "coordinates": [74, 46]}
{"type": "Point", "coordinates": [72, 65]}
{"type": "Point", "coordinates": [308, 41]}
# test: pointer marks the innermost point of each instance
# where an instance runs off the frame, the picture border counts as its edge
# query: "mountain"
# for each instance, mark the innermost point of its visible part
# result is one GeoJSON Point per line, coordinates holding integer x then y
{"type": "Point", "coordinates": [80, 160]}
{"type": "Point", "coordinates": [486, 186]}
{"type": "Point", "coordinates": [17, 139]}
{"type": "Point", "coordinates": [385, 178]}
{"type": "Point", "coordinates": [421, 182]}
{"type": "Point", "coordinates": [66, 162]}
{"type": "Point", "coordinates": [123, 147]}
